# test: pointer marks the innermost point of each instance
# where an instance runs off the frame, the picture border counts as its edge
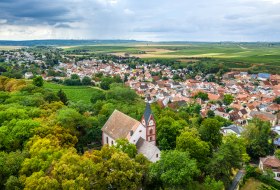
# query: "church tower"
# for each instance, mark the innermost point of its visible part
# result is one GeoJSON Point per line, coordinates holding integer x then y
{"type": "Point", "coordinates": [149, 123]}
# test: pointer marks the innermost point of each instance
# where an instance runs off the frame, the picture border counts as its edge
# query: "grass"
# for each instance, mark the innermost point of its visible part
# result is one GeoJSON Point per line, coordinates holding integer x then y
{"type": "Point", "coordinates": [252, 184]}
{"type": "Point", "coordinates": [74, 93]}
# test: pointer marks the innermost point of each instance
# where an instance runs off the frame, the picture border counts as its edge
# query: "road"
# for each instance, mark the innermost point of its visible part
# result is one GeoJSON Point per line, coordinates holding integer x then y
{"type": "Point", "coordinates": [236, 180]}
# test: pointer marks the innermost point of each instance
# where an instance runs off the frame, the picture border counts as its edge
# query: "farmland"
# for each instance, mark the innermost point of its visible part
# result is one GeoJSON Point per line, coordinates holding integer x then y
{"type": "Point", "coordinates": [73, 93]}
{"type": "Point", "coordinates": [263, 57]}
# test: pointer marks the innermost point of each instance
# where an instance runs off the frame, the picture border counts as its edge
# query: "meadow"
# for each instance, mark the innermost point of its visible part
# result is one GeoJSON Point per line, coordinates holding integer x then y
{"type": "Point", "coordinates": [238, 56]}
{"type": "Point", "coordinates": [73, 93]}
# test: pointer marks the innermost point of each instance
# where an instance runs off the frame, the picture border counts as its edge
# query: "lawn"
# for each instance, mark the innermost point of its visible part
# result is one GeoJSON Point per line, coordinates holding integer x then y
{"type": "Point", "coordinates": [251, 184]}
{"type": "Point", "coordinates": [74, 93]}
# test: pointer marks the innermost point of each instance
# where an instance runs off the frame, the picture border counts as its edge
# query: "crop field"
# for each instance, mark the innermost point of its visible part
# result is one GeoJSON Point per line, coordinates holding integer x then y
{"type": "Point", "coordinates": [73, 93]}
{"type": "Point", "coordinates": [239, 56]}
{"type": "Point", "coordinates": [10, 47]}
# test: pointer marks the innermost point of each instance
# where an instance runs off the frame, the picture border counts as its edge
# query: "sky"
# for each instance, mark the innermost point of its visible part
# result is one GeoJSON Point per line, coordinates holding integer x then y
{"type": "Point", "coordinates": [151, 20]}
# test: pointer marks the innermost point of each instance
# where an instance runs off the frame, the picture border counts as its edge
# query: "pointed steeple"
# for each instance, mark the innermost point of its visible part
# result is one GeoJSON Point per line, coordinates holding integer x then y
{"type": "Point", "coordinates": [147, 113]}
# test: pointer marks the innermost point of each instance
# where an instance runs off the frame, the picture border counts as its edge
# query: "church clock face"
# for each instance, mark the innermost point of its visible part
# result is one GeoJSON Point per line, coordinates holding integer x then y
{"type": "Point", "coordinates": [151, 122]}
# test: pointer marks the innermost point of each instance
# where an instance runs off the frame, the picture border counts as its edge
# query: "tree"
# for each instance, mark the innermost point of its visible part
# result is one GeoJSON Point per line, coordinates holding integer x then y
{"type": "Point", "coordinates": [231, 155]}
{"type": "Point", "coordinates": [228, 99]}
{"type": "Point", "coordinates": [38, 81]}
{"type": "Point", "coordinates": [210, 183]}
{"type": "Point", "coordinates": [126, 147]}
{"type": "Point", "coordinates": [75, 77]}
{"type": "Point", "coordinates": [97, 95]}
{"type": "Point", "coordinates": [277, 153]}
{"type": "Point", "coordinates": [62, 97]}
{"type": "Point", "coordinates": [258, 138]}
{"type": "Point", "coordinates": [121, 93]}
{"type": "Point", "coordinates": [175, 169]}
{"type": "Point", "coordinates": [86, 80]}
{"type": "Point", "coordinates": [277, 100]}
{"type": "Point", "coordinates": [105, 83]}
{"type": "Point", "coordinates": [203, 96]}
{"type": "Point", "coordinates": [190, 141]}
{"type": "Point", "coordinates": [167, 131]}
{"type": "Point", "coordinates": [210, 114]}
{"type": "Point", "coordinates": [210, 132]}
{"type": "Point", "coordinates": [10, 164]}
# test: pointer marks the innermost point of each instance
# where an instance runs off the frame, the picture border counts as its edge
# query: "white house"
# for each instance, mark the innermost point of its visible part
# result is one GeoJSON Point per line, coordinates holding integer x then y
{"type": "Point", "coordinates": [28, 75]}
{"type": "Point", "coordinates": [142, 134]}
{"type": "Point", "coordinates": [271, 162]}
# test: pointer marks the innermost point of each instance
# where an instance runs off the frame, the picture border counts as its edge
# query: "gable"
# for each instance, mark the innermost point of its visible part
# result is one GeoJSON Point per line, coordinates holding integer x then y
{"type": "Point", "coordinates": [119, 125]}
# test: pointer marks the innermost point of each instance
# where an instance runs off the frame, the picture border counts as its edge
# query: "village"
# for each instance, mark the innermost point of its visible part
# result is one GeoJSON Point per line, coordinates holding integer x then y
{"type": "Point", "coordinates": [238, 97]}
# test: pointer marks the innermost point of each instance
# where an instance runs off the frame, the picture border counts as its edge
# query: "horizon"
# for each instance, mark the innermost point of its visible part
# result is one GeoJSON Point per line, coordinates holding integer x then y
{"type": "Point", "coordinates": [136, 40]}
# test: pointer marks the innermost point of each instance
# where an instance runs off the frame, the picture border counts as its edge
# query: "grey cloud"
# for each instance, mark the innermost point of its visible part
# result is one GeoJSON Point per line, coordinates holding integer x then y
{"type": "Point", "coordinates": [205, 20]}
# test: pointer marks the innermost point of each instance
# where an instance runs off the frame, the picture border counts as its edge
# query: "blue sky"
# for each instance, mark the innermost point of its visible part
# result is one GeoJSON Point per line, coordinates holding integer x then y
{"type": "Point", "coordinates": [154, 20]}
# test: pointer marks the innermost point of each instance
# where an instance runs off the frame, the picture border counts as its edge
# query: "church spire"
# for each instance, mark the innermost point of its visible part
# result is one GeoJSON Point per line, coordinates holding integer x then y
{"type": "Point", "coordinates": [147, 113]}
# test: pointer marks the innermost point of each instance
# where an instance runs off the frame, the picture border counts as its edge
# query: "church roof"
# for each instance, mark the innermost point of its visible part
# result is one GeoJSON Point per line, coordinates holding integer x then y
{"type": "Point", "coordinates": [147, 149]}
{"type": "Point", "coordinates": [147, 112]}
{"type": "Point", "coordinates": [119, 125]}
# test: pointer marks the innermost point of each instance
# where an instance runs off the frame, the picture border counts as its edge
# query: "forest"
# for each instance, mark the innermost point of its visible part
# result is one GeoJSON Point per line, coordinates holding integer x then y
{"type": "Point", "coordinates": [50, 142]}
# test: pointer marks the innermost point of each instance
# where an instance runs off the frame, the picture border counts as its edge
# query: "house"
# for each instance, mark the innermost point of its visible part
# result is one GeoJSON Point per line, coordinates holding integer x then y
{"type": "Point", "coordinates": [263, 76]}
{"type": "Point", "coordinates": [265, 116]}
{"type": "Point", "coordinates": [271, 162]}
{"type": "Point", "coordinates": [232, 129]}
{"type": "Point", "coordinates": [142, 134]}
{"type": "Point", "coordinates": [28, 75]}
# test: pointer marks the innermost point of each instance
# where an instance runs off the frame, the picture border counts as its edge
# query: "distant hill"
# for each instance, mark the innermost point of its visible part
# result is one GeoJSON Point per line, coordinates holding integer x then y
{"type": "Point", "coordinates": [62, 42]}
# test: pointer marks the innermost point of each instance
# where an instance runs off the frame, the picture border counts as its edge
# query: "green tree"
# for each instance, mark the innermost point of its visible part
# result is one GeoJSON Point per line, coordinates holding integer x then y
{"type": "Point", "coordinates": [97, 95]}
{"type": "Point", "coordinates": [62, 97]}
{"type": "Point", "coordinates": [203, 96]}
{"type": "Point", "coordinates": [258, 138]}
{"type": "Point", "coordinates": [210, 132]}
{"type": "Point", "coordinates": [86, 80]}
{"type": "Point", "coordinates": [228, 99]}
{"type": "Point", "coordinates": [210, 114]}
{"type": "Point", "coordinates": [277, 100]}
{"type": "Point", "coordinates": [190, 141]}
{"type": "Point", "coordinates": [10, 164]}
{"type": "Point", "coordinates": [126, 147]}
{"type": "Point", "coordinates": [277, 153]}
{"type": "Point", "coordinates": [175, 169]}
{"type": "Point", "coordinates": [212, 184]}
{"type": "Point", "coordinates": [121, 93]}
{"type": "Point", "coordinates": [38, 81]}
{"type": "Point", "coordinates": [105, 83]}
{"type": "Point", "coordinates": [167, 131]}
{"type": "Point", "coordinates": [231, 155]}
{"type": "Point", "coordinates": [75, 77]}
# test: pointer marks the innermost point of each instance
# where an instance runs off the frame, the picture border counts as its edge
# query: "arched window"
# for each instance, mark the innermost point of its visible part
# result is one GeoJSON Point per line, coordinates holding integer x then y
{"type": "Point", "coordinates": [151, 131]}
{"type": "Point", "coordinates": [112, 142]}
{"type": "Point", "coordinates": [107, 140]}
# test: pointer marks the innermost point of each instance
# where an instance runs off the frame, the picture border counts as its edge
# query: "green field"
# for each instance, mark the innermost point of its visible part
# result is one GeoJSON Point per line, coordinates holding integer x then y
{"type": "Point", "coordinates": [243, 56]}
{"type": "Point", "coordinates": [74, 93]}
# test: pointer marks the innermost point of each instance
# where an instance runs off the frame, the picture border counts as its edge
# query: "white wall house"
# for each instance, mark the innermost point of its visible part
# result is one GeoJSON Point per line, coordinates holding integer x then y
{"type": "Point", "coordinates": [121, 126]}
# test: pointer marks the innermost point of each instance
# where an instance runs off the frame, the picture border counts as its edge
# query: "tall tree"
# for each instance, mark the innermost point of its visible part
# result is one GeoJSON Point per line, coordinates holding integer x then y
{"type": "Point", "coordinates": [210, 132]}
{"type": "Point", "coordinates": [62, 96]}
{"type": "Point", "coordinates": [258, 138]}
{"type": "Point", "coordinates": [38, 81]}
{"type": "Point", "coordinates": [175, 169]}
{"type": "Point", "coordinates": [190, 141]}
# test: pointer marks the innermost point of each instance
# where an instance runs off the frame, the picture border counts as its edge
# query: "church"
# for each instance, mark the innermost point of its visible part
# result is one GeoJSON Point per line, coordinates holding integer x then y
{"type": "Point", "coordinates": [142, 134]}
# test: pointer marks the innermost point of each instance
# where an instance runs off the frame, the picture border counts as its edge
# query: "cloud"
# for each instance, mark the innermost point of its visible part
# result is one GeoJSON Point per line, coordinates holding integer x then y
{"type": "Point", "coordinates": [191, 20]}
